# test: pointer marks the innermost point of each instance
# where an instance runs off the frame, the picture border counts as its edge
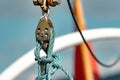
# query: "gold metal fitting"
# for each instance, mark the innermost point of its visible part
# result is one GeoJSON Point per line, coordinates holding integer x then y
{"type": "Point", "coordinates": [44, 4]}
{"type": "Point", "coordinates": [54, 2]}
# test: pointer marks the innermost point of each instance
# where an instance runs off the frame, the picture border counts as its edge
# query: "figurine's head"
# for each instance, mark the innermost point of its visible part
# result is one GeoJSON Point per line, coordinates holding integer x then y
{"type": "Point", "coordinates": [43, 30]}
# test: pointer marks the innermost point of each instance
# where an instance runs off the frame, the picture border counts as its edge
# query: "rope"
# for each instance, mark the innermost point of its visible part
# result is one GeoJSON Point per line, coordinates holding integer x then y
{"type": "Point", "coordinates": [52, 60]}
{"type": "Point", "coordinates": [47, 66]}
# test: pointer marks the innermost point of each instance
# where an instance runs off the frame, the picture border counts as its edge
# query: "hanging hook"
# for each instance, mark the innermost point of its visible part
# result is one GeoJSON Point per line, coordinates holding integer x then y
{"type": "Point", "coordinates": [46, 15]}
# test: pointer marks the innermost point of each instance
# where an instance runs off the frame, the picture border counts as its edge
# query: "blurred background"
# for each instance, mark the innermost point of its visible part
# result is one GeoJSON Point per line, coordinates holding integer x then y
{"type": "Point", "coordinates": [19, 19]}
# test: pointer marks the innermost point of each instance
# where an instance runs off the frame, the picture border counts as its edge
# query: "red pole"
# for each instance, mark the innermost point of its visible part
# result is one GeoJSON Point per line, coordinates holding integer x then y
{"type": "Point", "coordinates": [85, 66]}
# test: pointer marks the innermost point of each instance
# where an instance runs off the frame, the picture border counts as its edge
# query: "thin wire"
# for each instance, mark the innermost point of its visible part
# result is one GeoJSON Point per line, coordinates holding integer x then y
{"type": "Point", "coordinates": [107, 66]}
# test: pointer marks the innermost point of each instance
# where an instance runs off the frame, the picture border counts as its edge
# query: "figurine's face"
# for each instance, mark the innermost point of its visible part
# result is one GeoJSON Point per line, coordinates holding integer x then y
{"type": "Point", "coordinates": [43, 31]}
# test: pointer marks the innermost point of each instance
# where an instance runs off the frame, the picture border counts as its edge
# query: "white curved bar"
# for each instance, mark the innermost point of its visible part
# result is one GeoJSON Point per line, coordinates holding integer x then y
{"type": "Point", "coordinates": [65, 41]}
{"type": "Point", "coordinates": [90, 35]}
